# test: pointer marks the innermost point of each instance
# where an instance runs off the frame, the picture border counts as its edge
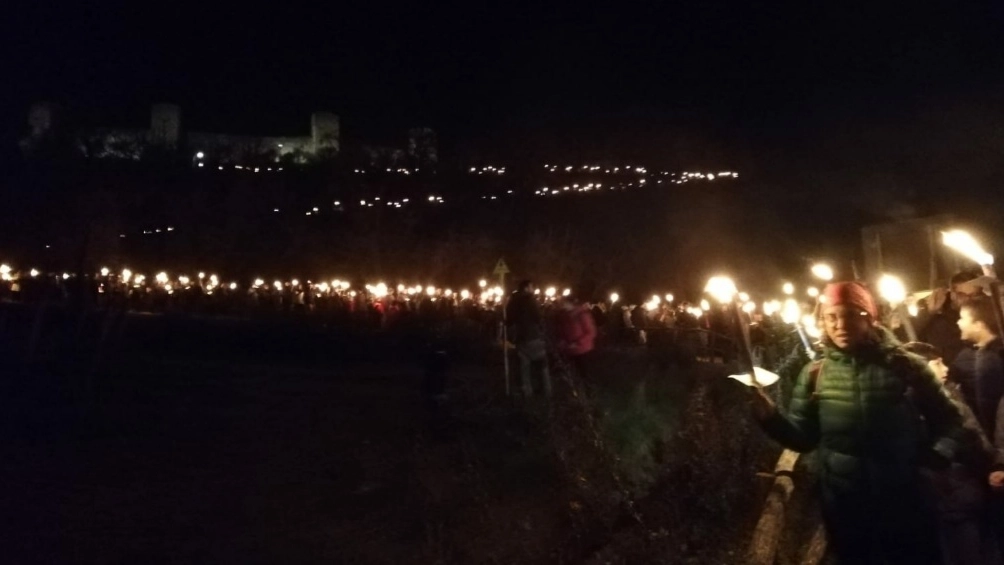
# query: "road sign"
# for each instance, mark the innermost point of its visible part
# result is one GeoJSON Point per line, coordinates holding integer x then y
{"type": "Point", "coordinates": [501, 268]}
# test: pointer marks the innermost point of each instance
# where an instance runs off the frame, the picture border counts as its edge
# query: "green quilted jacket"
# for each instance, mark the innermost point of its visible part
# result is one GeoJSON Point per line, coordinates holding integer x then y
{"type": "Point", "coordinates": [874, 417]}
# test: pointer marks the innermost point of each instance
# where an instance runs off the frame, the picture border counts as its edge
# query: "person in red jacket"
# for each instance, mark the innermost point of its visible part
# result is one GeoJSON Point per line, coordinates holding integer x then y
{"type": "Point", "coordinates": [576, 332]}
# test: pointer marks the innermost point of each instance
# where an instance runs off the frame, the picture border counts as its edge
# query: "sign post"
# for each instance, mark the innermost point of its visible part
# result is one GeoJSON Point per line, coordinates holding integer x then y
{"type": "Point", "coordinates": [501, 270]}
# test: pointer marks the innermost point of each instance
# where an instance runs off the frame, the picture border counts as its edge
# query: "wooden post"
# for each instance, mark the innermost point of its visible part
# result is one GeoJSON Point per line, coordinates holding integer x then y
{"type": "Point", "coordinates": [817, 548]}
{"type": "Point", "coordinates": [767, 535]}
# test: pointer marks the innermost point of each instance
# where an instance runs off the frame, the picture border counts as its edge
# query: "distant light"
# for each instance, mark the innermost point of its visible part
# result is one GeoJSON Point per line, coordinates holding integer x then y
{"type": "Point", "coordinates": [614, 297]}
{"type": "Point", "coordinates": [812, 291]}
{"type": "Point", "coordinates": [104, 271]}
{"type": "Point", "coordinates": [34, 272]}
{"type": "Point", "coordinates": [200, 155]}
{"type": "Point", "coordinates": [788, 288]}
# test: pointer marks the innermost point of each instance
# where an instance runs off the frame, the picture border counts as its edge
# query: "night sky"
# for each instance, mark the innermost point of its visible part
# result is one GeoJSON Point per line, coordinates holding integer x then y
{"type": "Point", "coordinates": [745, 83]}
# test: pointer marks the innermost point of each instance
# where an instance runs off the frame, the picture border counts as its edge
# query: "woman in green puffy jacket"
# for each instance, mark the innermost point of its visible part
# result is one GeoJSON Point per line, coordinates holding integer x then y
{"type": "Point", "coordinates": [875, 413]}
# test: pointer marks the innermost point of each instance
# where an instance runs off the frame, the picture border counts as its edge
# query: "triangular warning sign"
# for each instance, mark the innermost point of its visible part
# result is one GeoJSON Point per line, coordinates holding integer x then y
{"type": "Point", "coordinates": [501, 268]}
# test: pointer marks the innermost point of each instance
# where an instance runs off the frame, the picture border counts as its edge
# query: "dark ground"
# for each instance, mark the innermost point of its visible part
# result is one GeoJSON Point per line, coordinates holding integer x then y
{"type": "Point", "coordinates": [221, 441]}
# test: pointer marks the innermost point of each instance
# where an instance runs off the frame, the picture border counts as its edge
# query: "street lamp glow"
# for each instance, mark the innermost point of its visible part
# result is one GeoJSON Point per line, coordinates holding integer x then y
{"type": "Point", "coordinates": [822, 271]}
{"type": "Point", "coordinates": [892, 289]}
{"type": "Point", "coordinates": [788, 288]}
{"type": "Point", "coordinates": [964, 243]}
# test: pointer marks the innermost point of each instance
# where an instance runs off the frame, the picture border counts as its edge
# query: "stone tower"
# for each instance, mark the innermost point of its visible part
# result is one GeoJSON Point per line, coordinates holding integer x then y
{"type": "Point", "coordinates": [325, 133]}
{"type": "Point", "coordinates": [165, 125]}
{"type": "Point", "coordinates": [422, 148]}
{"type": "Point", "coordinates": [41, 119]}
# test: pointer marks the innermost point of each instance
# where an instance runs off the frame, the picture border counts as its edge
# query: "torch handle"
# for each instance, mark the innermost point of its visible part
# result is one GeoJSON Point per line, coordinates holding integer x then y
{"type": "Point", "coordinates": [904, 316]}
{"type": "Point", "coordinates": [995, 294]}
{"type": "Point", "coordinates": [745, 350]}
{"type": "Point", "coordinates": [806, 343]}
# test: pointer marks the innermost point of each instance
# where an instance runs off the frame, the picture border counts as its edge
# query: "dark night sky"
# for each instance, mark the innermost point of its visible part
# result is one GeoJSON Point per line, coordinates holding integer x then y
{"type": "Point", "coordinates": [737, 77]}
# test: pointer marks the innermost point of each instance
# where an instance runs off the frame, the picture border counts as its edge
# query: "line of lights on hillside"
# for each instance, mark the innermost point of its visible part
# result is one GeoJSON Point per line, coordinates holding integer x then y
{"type": "Point", "coordinates": [487, 170]}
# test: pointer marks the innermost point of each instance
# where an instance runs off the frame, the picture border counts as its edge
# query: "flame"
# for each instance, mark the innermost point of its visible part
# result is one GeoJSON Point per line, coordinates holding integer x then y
{"type": "Point", "coordinates": [822, 271]}
{"type": "Point", "coordinates": [791, 312]}
{"type": "Point", "coordinates": [614, 297]}
{"type": "Point", "coordinates": [964, 243]}
{"type": "Point", "coordinates": [788, 288]}
{"type": "Point", "coordinates": [811, 328]}
{"type": "Point", "coordinates": [705, 306]}
{"type": "Point", "coordinates": [721, 289]}
{"type": "Point", "coordinates": [891, 288]}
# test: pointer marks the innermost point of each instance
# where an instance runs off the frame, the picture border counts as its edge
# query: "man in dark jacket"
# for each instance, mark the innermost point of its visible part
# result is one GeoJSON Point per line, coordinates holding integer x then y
{"type": "Point", "coordinates": [853, 407]}
{"type": "Point", "coordinates": [938, 326]}
{"type": "Point", "coordinates": [979, 369]}
{"type": "Point", "coordinates": [527, 333]}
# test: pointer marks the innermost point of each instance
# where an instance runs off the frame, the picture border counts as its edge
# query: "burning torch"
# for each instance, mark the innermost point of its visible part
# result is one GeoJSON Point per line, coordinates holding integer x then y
{"type": "Point", "coordinates": [968, 247]}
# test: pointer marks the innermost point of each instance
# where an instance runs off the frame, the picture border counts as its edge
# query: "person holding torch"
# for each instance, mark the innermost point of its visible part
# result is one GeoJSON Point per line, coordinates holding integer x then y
{"type": "Point", "coordinates": [858, 407]}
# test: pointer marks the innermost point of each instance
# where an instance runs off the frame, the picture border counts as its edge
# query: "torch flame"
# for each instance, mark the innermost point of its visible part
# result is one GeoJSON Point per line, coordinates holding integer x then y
{"type": "Point", "coordinates": [721, 289]}
{"type": "Point", "coordinates": [892, 289]}
{"type": "Point", "coordinates": [964, 243]}
{"type": "Point", "coordinates": [822, 271]}
{"type": "Point", "coordinates": [791, 311]}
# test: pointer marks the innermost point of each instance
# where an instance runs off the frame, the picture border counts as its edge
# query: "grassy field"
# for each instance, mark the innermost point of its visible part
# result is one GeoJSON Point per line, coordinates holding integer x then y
{"type": "Point", "coordinates": [222, 441]}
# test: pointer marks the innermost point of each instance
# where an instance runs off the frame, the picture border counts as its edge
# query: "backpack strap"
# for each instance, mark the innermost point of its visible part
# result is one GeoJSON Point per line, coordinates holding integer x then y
{"type": "Point", "coordinates": [815, 376]}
